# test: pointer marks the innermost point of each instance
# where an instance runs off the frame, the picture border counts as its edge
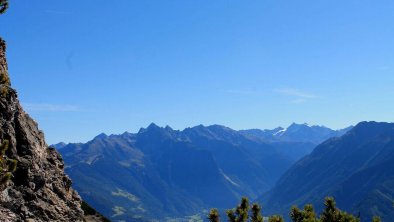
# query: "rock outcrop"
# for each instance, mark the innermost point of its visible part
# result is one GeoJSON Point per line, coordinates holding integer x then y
{"type": "Point", "coordinates": [39, 189]}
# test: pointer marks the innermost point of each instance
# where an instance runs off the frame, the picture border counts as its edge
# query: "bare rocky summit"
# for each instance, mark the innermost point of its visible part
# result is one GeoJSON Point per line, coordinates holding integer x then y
{"type": "Point", "coordinates": [39, 189]}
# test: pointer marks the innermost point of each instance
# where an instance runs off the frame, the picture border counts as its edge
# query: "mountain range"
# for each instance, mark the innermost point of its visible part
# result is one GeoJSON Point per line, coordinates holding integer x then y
{"type": "Point", "coordinates": [357, 169]}
{"type": "Point", "coordinates": [297, 133]}
{"type": "Point", "coordinates": [162, 173]}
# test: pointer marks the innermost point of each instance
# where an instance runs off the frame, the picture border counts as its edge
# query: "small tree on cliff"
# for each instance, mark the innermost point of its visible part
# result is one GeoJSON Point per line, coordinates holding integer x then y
{"type": "Point", "coordinates": [3, 6]}
{"type": "Point", "coordinates": [7, 165]}
{"type": "Point", "coordinates": [214, 215]}
{"type": "Point", "coordinates": [4, 79]}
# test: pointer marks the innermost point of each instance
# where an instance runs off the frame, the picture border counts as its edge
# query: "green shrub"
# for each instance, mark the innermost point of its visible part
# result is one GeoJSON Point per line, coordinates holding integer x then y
{"type": "Point", "coordinates": [5, 82]}
{"type": "Point", "coordinates": [256, 213]}
{"type": "Point", "coordinates": [7, 165]}
{"type": "Point", "coordinates": [3, 6]}
{"type": "Point", "coordinates": [214, 215]}
{"type": "Point", "coordinates": [275, 218]}
{"type": "Point", "coordinates": [376, 219]}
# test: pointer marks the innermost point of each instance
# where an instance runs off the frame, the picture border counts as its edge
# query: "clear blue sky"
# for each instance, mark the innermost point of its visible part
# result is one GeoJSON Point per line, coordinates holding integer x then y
{"type": "Point", "coordinates": [83, 67]}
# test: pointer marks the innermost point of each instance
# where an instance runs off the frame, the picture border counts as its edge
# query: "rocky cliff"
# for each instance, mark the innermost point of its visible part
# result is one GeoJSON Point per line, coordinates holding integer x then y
{"type": "Point", "coordinates": [39, 190]}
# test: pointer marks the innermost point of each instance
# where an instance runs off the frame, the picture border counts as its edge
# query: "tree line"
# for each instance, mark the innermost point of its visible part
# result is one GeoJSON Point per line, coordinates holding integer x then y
{"type": "Point", "coordinates": [245, 212]}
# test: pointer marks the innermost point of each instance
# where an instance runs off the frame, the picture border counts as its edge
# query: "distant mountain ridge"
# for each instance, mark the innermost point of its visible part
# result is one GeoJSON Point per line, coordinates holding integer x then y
{"type": "Point", "coordinates": [160, 172]}
{"type": "Point", "coordinates": [297, 133]}
{"type": "Point", "coordinates": [357, 169]}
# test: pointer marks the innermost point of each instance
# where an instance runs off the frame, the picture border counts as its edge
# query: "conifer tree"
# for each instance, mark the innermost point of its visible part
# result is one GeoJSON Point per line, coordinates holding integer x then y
{"type": "Point", "coordinates": [376, 219]}
{"type": "Point", "coordinates": [346, 217]}
{"type": "Point", "coordinates": [214, 215]}
{"type": "Point", "coordinates": [231, 215]}
{"type": "Point", "coordinates": [275, 218]}
{"type": "Point", "coordinates": [306, 215]}
{"type": "Point", "coordinates": [256, 213]}
{"type": "Point", "coordinates": [240, 214]}
{"type": "Point", "coordinates": [242, 210]}
{"type": "Point", "coordinates": [330, 213]}
{"type": "Point", "coordinates": [3, 6]}
{"type": "Point", "coordinates": [309, 214]}
{"type": "Point", "coordinates": [296, 214]}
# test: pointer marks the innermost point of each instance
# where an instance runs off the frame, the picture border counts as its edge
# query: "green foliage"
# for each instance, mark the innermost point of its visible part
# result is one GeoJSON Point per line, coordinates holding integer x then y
{"type": "Point", "coordinates": [306, 215]}
{"type": "Point", "coordinates": [7, 165]}
{"type": "Point", "coordinates": [214, 215]}
{"type": "Point", "coordinates": [309, 214]}
{"type": "Point", "coordinates": [5, 178]}
{"type": "Point", "coordinates": [12, 165]}
{"type": "Point", "coordinates": [275, 218]}
{"type": "Point", "coordinates": [231, 215]}
{"type": "Point", "coordinates": [242, 210]}
{"type": "Point", "coordinates": [4, 147]}
{"type": "Point", "coordinates": [256, 213]}
{"type": "Point", "coordinates": [346, 217]}
{"type": "Point", "coordinates": [4, 78]}
{"type": "Point", "coordinates": [330, 214]}
{"type": "Point", "coordinates": [376, 219]}
{"type": "Point", "coordinates": [5, 82]}
{"type": "Point", "coordinates": [240, 213]}
{"type": "Point", "coordinates": [296, 214]}
{"type": "Point", "coordinates": [3, 6]}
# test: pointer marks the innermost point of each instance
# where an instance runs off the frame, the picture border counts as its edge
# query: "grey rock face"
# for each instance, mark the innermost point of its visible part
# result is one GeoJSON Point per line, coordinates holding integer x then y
{"type": "Point", "coordinates": [39, 190]}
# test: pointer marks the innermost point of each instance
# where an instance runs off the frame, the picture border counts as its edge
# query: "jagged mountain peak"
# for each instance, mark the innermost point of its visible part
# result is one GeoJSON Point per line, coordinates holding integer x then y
{"type": "Point", "coordinates": [101, 136]}
{"type": "Point", "coordinates": [156, 132]}
{"type": "Point", "coordinates": [168, 128]}
{"type": "Point", "coordinates": [153, 127]}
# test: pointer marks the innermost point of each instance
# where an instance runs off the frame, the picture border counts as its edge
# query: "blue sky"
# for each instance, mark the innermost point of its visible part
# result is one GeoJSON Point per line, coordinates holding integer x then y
{"type": "Point", "coordinates": [86, 67]}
